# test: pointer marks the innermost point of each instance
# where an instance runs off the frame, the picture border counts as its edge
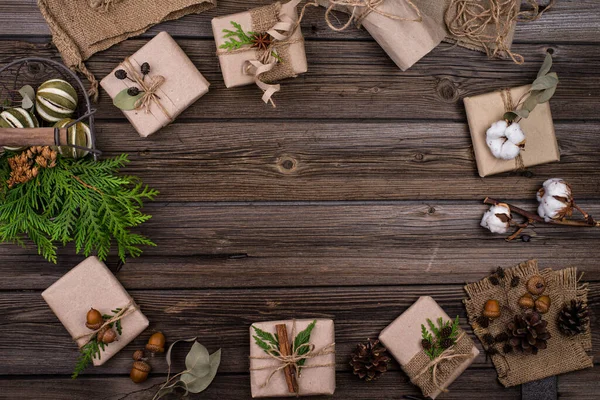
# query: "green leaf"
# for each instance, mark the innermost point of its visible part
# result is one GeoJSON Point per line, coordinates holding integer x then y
{"type": "Point", "coordinates": [433, 329]}
{"type": "Point", "coordinates": [197, 360]}
{"type": "Point", "coordinates": [28, 95]}
{"type": "Point", "coordinates": [197, 384]}
{"type": "Point", "coordinates": [531, 102]}
{"type": "Point", "coordinates": [266, 336]}
{"type": "Point", "coordinates": [546, 65]}
{"type": "Point", "coordinates": [170, 389]}
{"type": "Point", "coordinates": [545, 82]}
{"type": "Point", "coordinates": [301, 339]}
{"type": "Point", "coordinates": [126, 102]}
{"type": "Point", "coordinates": [522, 113]}
{"type": "Point", "coordinates": [546, 95]}
{"type": "Point", "coordinates": [168, 355]}
{"type": "Point", "coordinates": [510, 116]}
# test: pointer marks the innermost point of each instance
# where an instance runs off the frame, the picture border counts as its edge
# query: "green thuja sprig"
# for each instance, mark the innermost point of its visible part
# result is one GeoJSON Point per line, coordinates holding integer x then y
{"type": "Point", "coordinates": [89, 352]}
{"type": "Point", "coordinates": [243, 38]}
{"type": "Point", "coordinates": [442, 336]}
{"type": "Point", "coordinates": [81, 201]}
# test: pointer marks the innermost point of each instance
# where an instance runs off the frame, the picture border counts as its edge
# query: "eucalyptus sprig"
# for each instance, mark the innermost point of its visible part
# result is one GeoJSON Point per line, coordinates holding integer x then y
{"type": "Point", "coordinates": [243, 38]}
{"type": "Point", "coordinates": [440, 338]}
{"type": "Point", "coordinates": [200, 370]}
{"type": "Point", "coordinates": [541, 91]}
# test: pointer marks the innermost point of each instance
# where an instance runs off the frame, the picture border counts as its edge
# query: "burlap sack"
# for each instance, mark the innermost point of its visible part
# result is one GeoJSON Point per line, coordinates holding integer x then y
{"type": "Point", "coordinates": [82, 28]}
{"type": "Point", "coordinates": [563, 354]}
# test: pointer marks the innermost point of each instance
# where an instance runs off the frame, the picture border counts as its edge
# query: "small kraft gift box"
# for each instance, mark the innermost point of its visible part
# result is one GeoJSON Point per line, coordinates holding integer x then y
{"type": "Point", "coordinates": [450, 350]}
{"type": "Point", "coordinates": [91, 285]}
{"type": "Point", "coordinates": [155, 84]}
{"type": "Point", "coordinates": [292, 358]}
{"type": "Point", "coordinates": [541, 146]}
{"type": "Point", "coordinates": [260, 46]}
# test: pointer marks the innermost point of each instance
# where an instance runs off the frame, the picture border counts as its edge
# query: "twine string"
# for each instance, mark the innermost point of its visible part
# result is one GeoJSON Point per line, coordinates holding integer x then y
{"type": "Point", "coordinates": [362, 8]}
{"type": "Point", "coordinates": [510, 106]}
{"type": "Point", "coordinates": [129, 308]}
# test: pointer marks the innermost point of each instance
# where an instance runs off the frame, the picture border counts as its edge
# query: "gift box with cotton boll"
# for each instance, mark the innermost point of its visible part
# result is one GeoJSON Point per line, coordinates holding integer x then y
{"type": "Point", "coordinates": [501, 146]}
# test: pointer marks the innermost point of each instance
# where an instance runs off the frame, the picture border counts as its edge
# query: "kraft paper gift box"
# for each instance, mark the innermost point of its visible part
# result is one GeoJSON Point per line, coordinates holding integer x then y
{"type": "Point", "coordinates": [91, 285]}
{"type": "Point", "coordinates": [403, 337]}
{"type": "Point", "coordinates": [404, 40]}
{"type": "Point", "coordinates": [318, 380]}
{"type": "Point", "coordinates": [260, 20]}
{"type": "Point", "coordinates": [541, 146]}
{"type": "Point", "coordinates": [183, 83]}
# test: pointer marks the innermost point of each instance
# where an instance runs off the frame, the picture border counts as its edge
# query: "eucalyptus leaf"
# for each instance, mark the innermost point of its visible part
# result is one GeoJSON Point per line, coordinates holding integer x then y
{"type": "Point", "coordinates": [197, 384]}
{"type": "Point", "coordinates": [522, 113]}
{"type": "Point", "coordinates": [168, 356]}
{"type": "Point", "coordinates": [547, 64]}
{"type": "Point", "coordinates": [546, 95]}
{"type": "Point", "coordinates": [126, 102]}
{"type": "Point", "coordinates": [170, 389]}
{"type": "Point", "coordinates": [28, 94]}
{"type": "Point", "coordinates": [510, 116]}
{"type": "Point", "coordinates": [531, 102]}
{"type": "Point", "coordinates": [197, 360]}
{"type": "Point", "coordinates": [545, 82]}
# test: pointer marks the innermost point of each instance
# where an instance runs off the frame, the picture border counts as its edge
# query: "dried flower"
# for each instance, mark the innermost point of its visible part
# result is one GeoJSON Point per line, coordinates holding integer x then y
{"type": "Point", "coordinates": [25, 166]}
{"type": "Point", "coordinates": [497, 218]}
{"type": "Point", "coordinates": [505, 141]}
{"type": "Point", "coordinates": [261, 41]}
{"type": "Point", "coordinates": [556, 199]}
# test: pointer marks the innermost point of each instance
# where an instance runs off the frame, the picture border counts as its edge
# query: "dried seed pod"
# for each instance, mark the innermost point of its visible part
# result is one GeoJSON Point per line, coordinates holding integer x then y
{"type": "Point", "coordinates": [156, 343]}
{"type": "Point", "coordinates": [491, 309]}
{"type": "Point", "coordinates": [526, 301]}
{"type": "Point", "coordinates": [139, 371]}
{"type": "Point", "coordinates": [145, 68]}
{"type": "Point", "coordinates": [536, 285]}
{"type": "Point", "coordinates": [542, 304]}
{"type": "Point", "coordinates": [133, 91]}
{"type": "Point", "coordinates": [121, 74]}
{"type": "Point", "coordinates": [94, 319]}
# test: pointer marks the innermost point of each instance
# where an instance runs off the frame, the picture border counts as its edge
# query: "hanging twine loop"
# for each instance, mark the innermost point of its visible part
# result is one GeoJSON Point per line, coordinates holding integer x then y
{"type": "Point", "coordinates": [362, 8]}
{"type": "Point", "coordinates": [149, 88]}
{"type": "Point", "coordinates": [129, 308]}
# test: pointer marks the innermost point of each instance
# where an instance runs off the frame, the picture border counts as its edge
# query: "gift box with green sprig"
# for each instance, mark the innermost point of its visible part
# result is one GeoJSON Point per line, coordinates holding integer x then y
{"type": "Point", "coordinates": [292, 358]}
{"type": "Point", "coordinates": [431, 348]}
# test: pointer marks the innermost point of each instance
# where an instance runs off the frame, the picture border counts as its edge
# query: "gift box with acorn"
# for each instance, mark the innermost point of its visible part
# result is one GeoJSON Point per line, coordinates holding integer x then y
{"type": "Point", "coordinates": [430, 346]}
{"type": "Point", "coordinates": [260, 46]}
{"type": "Point", "coordinates": [154, 85]}
{"type": "Point", "coordinates": [512, 129]}
{"type": "Point", "coordinates": [292, 358]}
{"type": "Point", "coordinates": [97, 312]}
{"type": "Point", "coordinates": [532, 324]}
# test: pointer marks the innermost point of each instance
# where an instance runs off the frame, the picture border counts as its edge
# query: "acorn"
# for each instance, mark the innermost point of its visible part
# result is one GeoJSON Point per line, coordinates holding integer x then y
{"type": "Point", "coordinates": [156, 343]}
{"type": "Point", "coordinates": [491, 309]}
{"type": "Point", "coordinates": [526, 301]}
{"type": "Point", "coordinates": [542, 304]}
{"type": "Point", "coordinates": [94, 319]}
{"type": "Point", "coordinates": [108, 336]}
{"type": "Point", "coordinates": [138, 355]}
{"type": "Point", "coordinates": [139, 371]}
{"type": "Point", "coordinates": [100, 334]}
{"type": "Point", "coordinates": [536, 285]}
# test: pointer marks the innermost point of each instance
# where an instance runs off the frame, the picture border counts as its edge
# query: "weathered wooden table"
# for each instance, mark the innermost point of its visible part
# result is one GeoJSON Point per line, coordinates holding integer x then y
{"type": "Point", "coordinates": [353, 197]}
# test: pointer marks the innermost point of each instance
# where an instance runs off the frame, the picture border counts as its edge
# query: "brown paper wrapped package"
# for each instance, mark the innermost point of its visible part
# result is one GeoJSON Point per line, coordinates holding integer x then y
{"type": "Point", "coordinates": [313, 381]}
{"type": "Point", "coordinates": [91, 284]}
{"type": "Point", "coordinates": [183, 85]}
{"type": "Point", "coordinates": [403, 336]}
{"type": "Point", "coordinates": [405, 42]}
{"type": "Point", "coordinates": [540, 147]}
{"type": "Point", "coordinates": [232, 65]}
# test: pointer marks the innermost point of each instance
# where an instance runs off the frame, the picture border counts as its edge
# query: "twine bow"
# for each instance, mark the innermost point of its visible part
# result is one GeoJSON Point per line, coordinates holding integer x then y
{"type": "Point", "coordinates": [448, 354]}
{"type": "Point", "coordinates": [125, 311]}
{"type": "Point", "coordinates": [148, 88]}
{"type": "Point", "coordinates": [510, 106]}
{"type": "Point", "coordinates": [362, 8]}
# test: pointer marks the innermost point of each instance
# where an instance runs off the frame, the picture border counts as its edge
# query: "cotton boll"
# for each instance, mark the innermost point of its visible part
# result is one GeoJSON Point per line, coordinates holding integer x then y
{"type": "Point", "coordinates": [555, 199]}
{"type": "Point", "coordinates": [495, 146]}
{"type": "Point", "coordinates": [509, 151]}
{"type": "Point", "coordinates": [557, 187]}
{"type": "Point", "coordinates": [514, 133]}
{"type": "Point", "coordinates": [496, 130]}
{"type": "Point", "coordinates": [497, 219]}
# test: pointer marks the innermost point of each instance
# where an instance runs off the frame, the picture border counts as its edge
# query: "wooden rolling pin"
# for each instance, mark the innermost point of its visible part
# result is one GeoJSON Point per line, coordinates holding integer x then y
{"type": "Point", "coordinates": [24, 137]}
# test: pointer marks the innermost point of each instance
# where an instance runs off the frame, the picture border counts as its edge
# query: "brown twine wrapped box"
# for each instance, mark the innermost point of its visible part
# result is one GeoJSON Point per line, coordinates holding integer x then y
{"type": "Point", "coordinates": [563, 354]}
{"type": "Point", "coordinates": [318, 375]}
{"type": "Point", "coordinates": [91, 285]}
{"type": "Point", "coordinates": [403, 340]}
{"type": "Point", "coordinates": [183, 84]}
{"type": "Point", "coordinates": [541, 146]}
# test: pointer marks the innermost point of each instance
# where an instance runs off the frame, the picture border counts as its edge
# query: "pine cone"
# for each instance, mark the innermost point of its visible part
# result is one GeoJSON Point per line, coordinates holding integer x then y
{"type": "Point", "coordinates": [370, 360]}
{"type": "Point", "coordinates": [528, 333]}
{"type": "Point", "coordinates": [446, 332]}
{"type": "Point", "coordinates": [573, 318]}
{"type": "Point", "coordinates": [446, 343]}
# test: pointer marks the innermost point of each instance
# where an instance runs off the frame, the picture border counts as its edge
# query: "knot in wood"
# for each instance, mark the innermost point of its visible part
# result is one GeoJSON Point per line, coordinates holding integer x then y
{"type": "Point", "coordinates": [419, 156]}
{"type": "Point", "coordinates": [431, 210]}
{"type": "Point", "coordinates": [287, 164]}
{"type": "Point", "coordinates": [447, 90]}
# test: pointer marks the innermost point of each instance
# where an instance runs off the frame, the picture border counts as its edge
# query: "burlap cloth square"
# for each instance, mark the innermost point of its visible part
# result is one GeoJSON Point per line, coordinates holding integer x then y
{"type": "Point", "coordinates": [81, 28]}
{"type": "Point", "coordinates": [563, 354]}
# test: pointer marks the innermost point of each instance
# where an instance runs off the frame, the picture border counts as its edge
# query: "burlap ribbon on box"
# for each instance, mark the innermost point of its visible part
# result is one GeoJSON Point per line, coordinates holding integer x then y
{"type": "Point", "coordinates": [431, 375]}
{"type": "Point", "coordinates": [563, 354]}
{"type": "Point", "coordinates": [82, 28]}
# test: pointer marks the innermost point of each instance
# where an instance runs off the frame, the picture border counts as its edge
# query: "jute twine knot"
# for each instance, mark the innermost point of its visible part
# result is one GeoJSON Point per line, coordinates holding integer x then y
{"type": "Point", "coordinates": [362, 8]}
{"type": "Point", "coordinates": [148, 88]}
{"type": "Point", "coordinates": [125, 311]}
{"type": "Point", "coordinates": [510, 106]}
{"type": "Point", "coordinates": [448, 354]}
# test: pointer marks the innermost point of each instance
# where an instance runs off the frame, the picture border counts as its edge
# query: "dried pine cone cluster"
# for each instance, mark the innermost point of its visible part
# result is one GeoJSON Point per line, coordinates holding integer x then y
{"type": "Point", "coordinates": [573, 318]}
{"type": "Point", "coordinates": [370, 360]}
{"type": "Point", "coordinates": [528, 333]}
{"type": "Point", "coordinates": [25, 166]}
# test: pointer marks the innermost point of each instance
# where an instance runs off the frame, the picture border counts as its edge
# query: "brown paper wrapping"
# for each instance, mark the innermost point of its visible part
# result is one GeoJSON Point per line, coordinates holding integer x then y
{"type": "Point", "coordinates": [183, 85]}
{"type": "Point", "coordinates": [541, 146]}
{"type": "Point", "coordinates": [91, 284]}
{"type": "Point", "coordinates": [232, 64]}
{"type": "Point", "coordinates": [313, 381]}
{"type": "Point", "coordinates": [405, 42]}
{"type": "Point", "coordinates": [403, 337]}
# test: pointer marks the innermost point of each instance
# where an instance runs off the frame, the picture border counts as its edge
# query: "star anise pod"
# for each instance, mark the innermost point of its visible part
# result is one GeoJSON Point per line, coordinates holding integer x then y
{"type": "Point", "coordinates": [261, 41]}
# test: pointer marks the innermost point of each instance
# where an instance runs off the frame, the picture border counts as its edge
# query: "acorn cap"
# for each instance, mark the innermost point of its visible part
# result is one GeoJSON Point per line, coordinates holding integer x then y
{"type": "Point", "coordinates": [93, 326]}
{"type": "Point", "coordinates": [536, 285]}
{"type": "Point", "coordinates": [154, 348]}
{"type": "Point", "coordinates": [142, 366]}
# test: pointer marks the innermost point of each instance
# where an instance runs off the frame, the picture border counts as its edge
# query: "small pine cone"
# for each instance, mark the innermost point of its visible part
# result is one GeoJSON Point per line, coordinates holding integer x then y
{"type": "Point", "coordinates": [446, 343]}
{"type": "Point", "coordinates": [369, 360]}
{"type": "Point", "coordinates": [514, 282]}
{"type": "Point", "coordinates": [528, 333]}
{"type": "Point", "coordinates": [507, 348]}
{"type": "Point", "coordinates": [573, 319]}
{"type": "Point", "coordinates": [494, 280]}
{"type": "Point", "coordinates": [488, 339]}
{"type": "Point", "coordinates": [426, 344]}
{"type": "Point", "coordinates": [501, 337]}
{"type": "Point", "coordinates": [446, 331]}
{"type": "Point", "coordinates": [500, 272]}
{"type": "Point", "coordinates": [483, 321]}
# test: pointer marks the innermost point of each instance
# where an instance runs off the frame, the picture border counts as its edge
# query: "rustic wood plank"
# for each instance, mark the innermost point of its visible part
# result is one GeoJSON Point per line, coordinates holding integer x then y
{"type": "Point", "coordinates": [316, 160]}
{"type": "Point", "coordinates": [220, 319]}
{"type": "Point", "coordinates": [569, 21]}
{"type": "Point", "coordinates": [580, 385]}
{"type": "Point", "coordinates": [362, 82]}
{"type": "Point", "coordinates": [392, 385]}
